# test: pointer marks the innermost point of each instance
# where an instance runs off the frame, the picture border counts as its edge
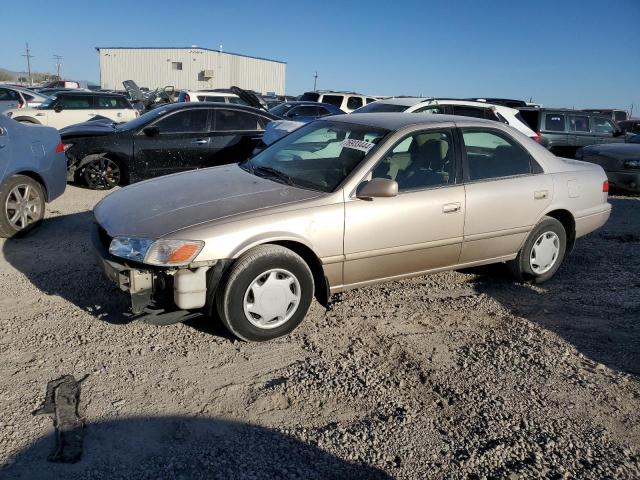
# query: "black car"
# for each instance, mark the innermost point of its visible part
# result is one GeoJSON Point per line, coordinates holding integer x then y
{"type": "Point", "coordinates": [169, 139]}
{"type": "Point", "coordinates": [621, 162]}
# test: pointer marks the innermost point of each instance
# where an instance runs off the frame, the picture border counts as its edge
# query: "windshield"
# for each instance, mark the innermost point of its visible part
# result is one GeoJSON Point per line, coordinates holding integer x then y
{"type": "Point", "coordinates": [142, 120]}
{"type": "Point", "coordinates": [47, 102]}
{"type": "Point", "coordinates": [281, 109]}
{"type": "Point", "coordinates": [380, 107]}
{"type": "Point", "coordinates": [319, 156]}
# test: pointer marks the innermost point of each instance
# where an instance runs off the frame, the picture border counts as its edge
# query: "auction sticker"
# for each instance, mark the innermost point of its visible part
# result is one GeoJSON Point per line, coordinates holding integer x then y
{"type": "Point", "coordinates": [361, 145]}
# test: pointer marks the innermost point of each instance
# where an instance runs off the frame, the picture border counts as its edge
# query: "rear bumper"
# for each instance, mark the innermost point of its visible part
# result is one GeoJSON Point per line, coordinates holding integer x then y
{"type": "Point", "coordinates": [589, 223]}
{"type": "Point", "coordinates": [629, 181]}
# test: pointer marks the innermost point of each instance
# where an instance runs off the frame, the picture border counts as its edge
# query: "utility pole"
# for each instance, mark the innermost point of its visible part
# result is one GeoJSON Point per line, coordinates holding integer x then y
{"type": "Point", "coordinates": [58, 59]}
{"type": "Point", "coordinates": [315, 81]}
{"type": "Point", "coordinates": [29, 57]}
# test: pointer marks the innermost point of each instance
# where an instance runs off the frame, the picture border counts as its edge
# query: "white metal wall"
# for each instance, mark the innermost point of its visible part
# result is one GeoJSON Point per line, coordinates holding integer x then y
{"type": "Point", "coordinates": [152, 68]}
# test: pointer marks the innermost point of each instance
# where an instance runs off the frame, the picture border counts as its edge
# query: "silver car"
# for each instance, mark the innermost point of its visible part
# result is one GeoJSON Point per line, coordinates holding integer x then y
{"type": "Point", "coordinates": [342, 203]}
{"type": "Point", "coordinates": [16, 97]}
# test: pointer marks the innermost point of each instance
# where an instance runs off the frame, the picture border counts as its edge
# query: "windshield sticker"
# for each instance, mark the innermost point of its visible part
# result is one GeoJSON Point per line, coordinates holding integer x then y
{"type": "Point", "coordinates": [361, 145]}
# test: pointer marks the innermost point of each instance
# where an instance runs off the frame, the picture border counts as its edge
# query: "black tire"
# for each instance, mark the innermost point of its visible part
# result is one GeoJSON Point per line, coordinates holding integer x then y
{"type": "Point", "coordinates": [35, 212]}
{"type": "Point", "coordinates": [102, 173]}
{"type": "Point", "coordinates": [250, 267]}
{"type": "Point", "coordinates": [521, 266]}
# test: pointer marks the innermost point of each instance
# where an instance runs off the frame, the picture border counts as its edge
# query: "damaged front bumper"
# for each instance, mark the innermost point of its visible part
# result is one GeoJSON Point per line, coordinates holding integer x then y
{"type": "Point", "coordinates": [161, 295]}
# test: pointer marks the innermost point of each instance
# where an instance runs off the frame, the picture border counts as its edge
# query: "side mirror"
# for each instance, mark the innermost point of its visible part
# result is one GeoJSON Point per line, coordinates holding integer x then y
{"type": "Point", "coordinates": [57, 108]}
{"type": "Point", "coordinates": [151, 131]}
{"type": "Point", "coordinates": [377, 188]}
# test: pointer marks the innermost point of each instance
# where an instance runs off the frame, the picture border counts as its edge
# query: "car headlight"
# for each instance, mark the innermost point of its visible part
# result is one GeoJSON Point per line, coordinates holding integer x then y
{"type": "Point", "coordinates": [163, 252]}
{"type": "Point", "coordinates": [632, 164]}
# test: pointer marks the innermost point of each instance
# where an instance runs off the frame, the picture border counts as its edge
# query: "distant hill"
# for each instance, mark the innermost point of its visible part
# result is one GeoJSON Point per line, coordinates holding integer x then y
{"type": "Point", "coordinates": [7, 75]}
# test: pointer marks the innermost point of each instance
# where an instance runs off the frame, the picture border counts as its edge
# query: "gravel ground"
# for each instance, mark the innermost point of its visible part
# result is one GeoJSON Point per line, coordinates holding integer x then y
{"type": "Point", "coordinates": [455, 375]}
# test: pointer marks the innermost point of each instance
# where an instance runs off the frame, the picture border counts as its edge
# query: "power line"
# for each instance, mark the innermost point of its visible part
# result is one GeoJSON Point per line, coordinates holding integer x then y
{"type": "Point", "coordinates": [29, 57]}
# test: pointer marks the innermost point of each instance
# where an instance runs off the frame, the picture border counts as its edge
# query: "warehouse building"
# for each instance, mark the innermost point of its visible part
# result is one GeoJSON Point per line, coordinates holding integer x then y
{"type": "Point", "coordinates": [191, 68]}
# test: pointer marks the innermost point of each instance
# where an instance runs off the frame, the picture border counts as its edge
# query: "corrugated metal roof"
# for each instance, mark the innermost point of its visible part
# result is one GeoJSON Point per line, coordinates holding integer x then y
{"type": "Point", "coordinates": [188, 48]}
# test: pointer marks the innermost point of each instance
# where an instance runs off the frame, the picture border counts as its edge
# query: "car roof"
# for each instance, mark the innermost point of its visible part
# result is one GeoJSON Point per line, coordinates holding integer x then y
{"type": "Point", "coordinates": [407, 101]}
{"type": "Point", "coordinates": [396, 121]}
{"type": "Point", "coordinates": [227, 106]}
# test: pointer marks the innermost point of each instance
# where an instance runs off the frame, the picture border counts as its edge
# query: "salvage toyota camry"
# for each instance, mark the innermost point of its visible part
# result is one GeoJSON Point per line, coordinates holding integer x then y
{"type": "Point", "coordinates": [341, 203]}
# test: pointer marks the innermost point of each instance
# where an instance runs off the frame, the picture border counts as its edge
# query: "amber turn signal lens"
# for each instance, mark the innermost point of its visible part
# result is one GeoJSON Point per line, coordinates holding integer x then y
{"type": "Point", "coordinates": [183, 253]}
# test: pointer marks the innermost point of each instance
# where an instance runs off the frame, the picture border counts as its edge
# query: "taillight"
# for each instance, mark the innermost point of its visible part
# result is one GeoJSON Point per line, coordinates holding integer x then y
{"type": "Point", "coordinates": [136, 113]}
{"type": "Point", "coordinates": [59, 147]}
{"type": "Point", "coordinates": [605, 186]}
{"type": "Point", "coordinates": [187, 98]}
{"type": "Point", "coordinates": [21, 104]}
{"type": "Point", "coordinates": [538, 137]}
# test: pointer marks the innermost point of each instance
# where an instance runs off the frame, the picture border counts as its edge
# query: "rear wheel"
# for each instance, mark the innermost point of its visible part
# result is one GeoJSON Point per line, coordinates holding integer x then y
{"type": "Point", "coordinates": [23, 205]}
{"type": "Point", "coordinates": [267, 293]}
{"type": "Point", "coordinates": [102, 173]}
{"type": "Point", "coordinates": [542, 253]}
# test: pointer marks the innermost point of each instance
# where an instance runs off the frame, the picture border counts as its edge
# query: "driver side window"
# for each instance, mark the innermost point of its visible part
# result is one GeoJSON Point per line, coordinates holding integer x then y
{"type": "Point", "coordinates": [423, 160]}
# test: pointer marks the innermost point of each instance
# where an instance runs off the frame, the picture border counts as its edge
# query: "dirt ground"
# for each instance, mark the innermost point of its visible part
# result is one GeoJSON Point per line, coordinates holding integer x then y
{"type": "Point", "coordinates": [455, 375]}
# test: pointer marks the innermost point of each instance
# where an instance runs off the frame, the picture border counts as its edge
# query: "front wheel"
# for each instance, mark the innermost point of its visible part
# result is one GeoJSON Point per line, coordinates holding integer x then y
{"type": "Point", "coordinates": [102, 173]}
{"type": "Point", "coordinates": [266, 295]}
{"type": "Point", "coordinates": [542, 253]}
{"type": "Point", "coordinates": [23, 204]}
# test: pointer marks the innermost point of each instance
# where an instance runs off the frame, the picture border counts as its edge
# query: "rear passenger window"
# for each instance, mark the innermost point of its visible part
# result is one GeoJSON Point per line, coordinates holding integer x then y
{"type": "Point", "coordinates": [430, 109]}
{"type": "Point", "coordinates": [187, 121]}
{"type": "Point", "coordinates": [468, 111]}
{"type": "Point", "coordinates": [580, 123]}
{"type": "Point", "coordinates": [7, 95]}
{"type": "Point", "coordinates": [554, 122]}
{"type": "Point", "coordinates": [228, 120]}
{"type": "Point", "coordinates": [493, 155]}
{"type": "Point", "coordinates": [204, 98]}
{"type": "Point", "coordinates": [111, 102]}
{"type": "Point", "coordinates": [354, 102]}
{"type": "Point", "coordinates": [370, 100]}
{"type": "Point", "coordinates": [333, 100]}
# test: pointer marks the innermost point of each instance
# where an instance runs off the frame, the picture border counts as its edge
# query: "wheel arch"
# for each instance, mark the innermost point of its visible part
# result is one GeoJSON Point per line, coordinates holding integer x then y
{"type": "Point", "coordinates": [567, 220]}
{"type": "Point", "coordinates": [121, 162]}
{"type": "Point", "coordinates": [27, 119]}
{"type": "Point", "coordinates": [35, 176]}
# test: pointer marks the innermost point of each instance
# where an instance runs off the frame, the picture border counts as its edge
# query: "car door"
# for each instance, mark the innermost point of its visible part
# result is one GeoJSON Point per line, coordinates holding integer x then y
{"type": "Point", "coordinates": [580, 131]}
{"type": "Point", "coordinates": [506, 192]}
{"type": "Point", "coordinates": [604, 130]}
{"type": "Point", "coordinates": [70, 109]}
{"type": "Point", "coordinates": [115, 108]}
{"type": "Point", "coordinates": [5, 146]}
{"type": "Point", "coordinates": [236, 133]}
{"type": "Point", "coordinates": [8, 99]}
{"type": "Point", "coordinates": [418, 230]}
{"type": "Point", "coordinates": [176, 142]}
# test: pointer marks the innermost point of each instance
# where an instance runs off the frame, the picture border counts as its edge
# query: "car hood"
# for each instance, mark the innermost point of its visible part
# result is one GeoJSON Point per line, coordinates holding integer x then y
{"type": "Point", "coordinates": [621, 150]}
{"type": "Point", "coordinates": [161, 206]}
{"type": "Point", "coordinates": [91, 128]}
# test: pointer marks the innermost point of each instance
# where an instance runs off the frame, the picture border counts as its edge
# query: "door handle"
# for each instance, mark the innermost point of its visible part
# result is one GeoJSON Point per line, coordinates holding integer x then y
{"type": "Point", "coordinates": [451, 207]}
{"type": "Point", "coordinates": [39, 114]}
{"type": "Point", "coordinates": [200, 141]}
{"type": "Point", "coordinates": [540, 194]}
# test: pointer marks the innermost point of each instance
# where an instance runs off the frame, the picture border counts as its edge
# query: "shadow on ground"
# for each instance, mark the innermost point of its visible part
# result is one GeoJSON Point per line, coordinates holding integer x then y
{"type": "Point", "coordinates": [186, 448]}
{"type": "Point", "coordinates": [593, 302]}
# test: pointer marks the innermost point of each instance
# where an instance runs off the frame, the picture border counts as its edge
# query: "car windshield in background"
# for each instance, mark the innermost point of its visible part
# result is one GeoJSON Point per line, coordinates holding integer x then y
{"type": "Point", "coordinates": [142, 120]}
{"type": "Point", "coordinates": [318, 156]}
{"type": "Point", "coordinates": [47, 102]}
{"type": "Point", "coordinates": [281, 109]}
{"type": "Point", "coordinates": [379, 107]}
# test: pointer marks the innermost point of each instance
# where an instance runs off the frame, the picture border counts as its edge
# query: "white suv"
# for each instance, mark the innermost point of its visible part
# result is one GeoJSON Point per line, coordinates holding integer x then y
{"type": "Point", "coordinates": [465, 108]}
{"type": "Point", "coordinates": [345, 101]}
{"type": "Point", "coordinates": [68, 108]}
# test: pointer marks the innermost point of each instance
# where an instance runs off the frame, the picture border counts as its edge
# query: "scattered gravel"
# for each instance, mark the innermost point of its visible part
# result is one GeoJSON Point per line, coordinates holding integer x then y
{"type": "Point", "coordinates": [455, 375]}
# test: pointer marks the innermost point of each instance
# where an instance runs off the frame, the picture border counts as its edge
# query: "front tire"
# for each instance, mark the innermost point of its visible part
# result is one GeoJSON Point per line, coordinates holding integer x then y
{"type": "Point", "coordinates": [542, 253]}
{"type": "Point", "coordinates": [22, 205]}
{"type": "Point", "coordinates": [267, 293]}
{"type": "Point", "coordinates": [102, 173]}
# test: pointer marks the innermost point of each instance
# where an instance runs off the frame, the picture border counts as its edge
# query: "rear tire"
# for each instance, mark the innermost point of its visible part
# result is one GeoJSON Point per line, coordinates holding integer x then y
{"type": "Point", "coordinates": [542, 253]}
{"type": "Point", "coordinates": [266, 294]}
{"type": "Point", "coordinates": [22, 205]}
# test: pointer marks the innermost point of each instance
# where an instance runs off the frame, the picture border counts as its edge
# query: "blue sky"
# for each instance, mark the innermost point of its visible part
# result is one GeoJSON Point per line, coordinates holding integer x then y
{"type": "Point", "coordinates": [559, 52]}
